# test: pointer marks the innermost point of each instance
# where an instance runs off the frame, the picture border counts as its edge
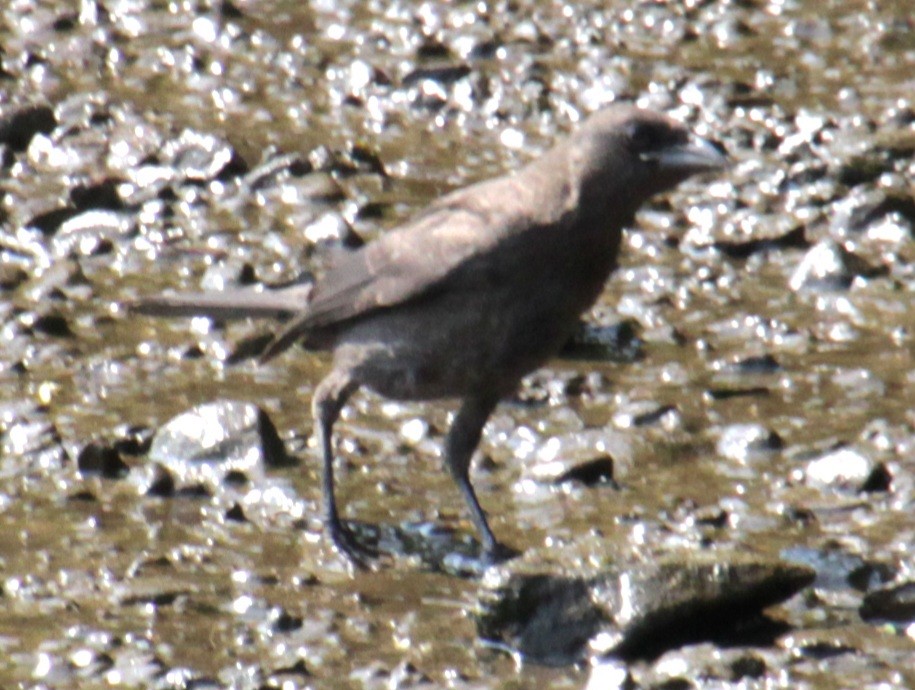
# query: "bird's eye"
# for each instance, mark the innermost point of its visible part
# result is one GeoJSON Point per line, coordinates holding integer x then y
{"type": "Point", "coordinates": [643, 135]}
{"type": "Point", "coordinates": [650, 136]}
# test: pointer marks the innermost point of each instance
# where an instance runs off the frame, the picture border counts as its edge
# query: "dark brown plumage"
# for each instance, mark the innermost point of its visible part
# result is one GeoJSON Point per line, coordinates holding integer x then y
{"type": "Point", "coordinates": [479, 289]}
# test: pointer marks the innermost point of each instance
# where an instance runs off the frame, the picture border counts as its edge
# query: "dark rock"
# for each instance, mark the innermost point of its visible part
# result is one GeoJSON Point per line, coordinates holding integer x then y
{"type": "Point", "coordinates": [133, 440]}
{"type": "Point", "coordinates": [65, 23]}
{"type": "Point", "coordinates": [646, 413]}
{"type": "Point", "coordinates": [865, 167]}
{"type": "Point", "coordinates": [431, 49]}
{"type": "Point", "coordinates": [83, 496]}
{"type": "Point", "coordinates": [236, 514]}
{"type": "Point", "coordinates": [869, 575]}
{"type": "Point", "coordinates": [879, 480]}
{"type": "Point", "coordinates": [754, 365]}
{"type": "Point", "coordinates": [236, 478]}
{"type": "Point", "coordinates": [837, 569]}
{"type": "Point", "coordinates": [54, 325]}
{"type": "Point", "coordinates": [230, 10]}
{"type": "Point", "coordinates": [616, 343]}
{"type": "Point", "coordinates": [103, 194]}
{"type": "Point", "coordinates": [794, 239]}
{"type": "Point", "coordinates": [585, 456]}
{"type": "Point", "coordinates": [11, 276]}
{"type": "Point", "coordinates": [443, 74]}
{"type": "Point", "coordinates": [285, 622]}
{"type": "Point", "coordinates": [629, 612]}
{"type": "Point", "coordinates": [747, 666]}
{"type": "Point", "coordinates": [366, 159]}
{"type": "Point", "coordinates": [714, 394]}
{"type": "Point", "coordinates": [354, 159]}
{"type": "Point", "coordinates": [895, 603]}
{"type": "Point", "coordinates": [591, 473]}
{"type": "Point", "coordinates": [161, 484]}
{"type": "Point", "coordinates": [101, 459]}
{"type": "Point", "coordinates": [195, 490]}
{"type": "Point", "coordinates": [825, 649]}
{"type": "Point", "coordinates": [49, 221]}
{"type": "Point", "coordinates": [371, 210]}
{"type": "Point", "coordinates": [17, 128]}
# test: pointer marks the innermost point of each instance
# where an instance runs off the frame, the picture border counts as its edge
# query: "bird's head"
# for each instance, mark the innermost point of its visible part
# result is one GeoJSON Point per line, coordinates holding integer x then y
{"type": "Point", "coordinates": [641, 152]}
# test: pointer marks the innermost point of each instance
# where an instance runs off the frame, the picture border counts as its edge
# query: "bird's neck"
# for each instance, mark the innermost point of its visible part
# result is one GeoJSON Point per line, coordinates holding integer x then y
{"type": "Point", "coordinates": [585, 221]}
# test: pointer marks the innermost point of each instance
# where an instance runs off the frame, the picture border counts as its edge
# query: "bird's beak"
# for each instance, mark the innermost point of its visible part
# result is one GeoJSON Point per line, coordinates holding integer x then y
{"type": "Point", "coordinates": [694, 157]}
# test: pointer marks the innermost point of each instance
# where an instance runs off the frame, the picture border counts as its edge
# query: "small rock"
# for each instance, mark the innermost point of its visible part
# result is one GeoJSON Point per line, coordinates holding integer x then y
{"type": "Point", "coordinates": [208, 442]}
{"type": "Point", "coordinates": [52, 324]}
{"type": "Point", "coordinates": [751, 365]}
{"type": "Point", "coordinates": [615, 343]}
{"type": "Point", "coordinates": [202, 157]}
{"type": "Point", "coordinates": [866, 206]}
{"type": "Point", "coordinates": [743, 442]}
{"type": "Point", "coordinates": [228, 274]}
{"type": "Point", "coordinates": [646, 413]}
{"type": "Point", "coordinates": [828, 266]}
{"type": "Point", "coordinates": [18, 127]}
{"type": "Point", "coordinates": [837, 569]}
{"type": "Point", "coordinates": [442, 74]}
{"type": "Point", "coordinates": [48, 222]}
{"type": "Point", "coordinates": [716, 394]}
{"type": "Point", "coordinates": [895, 603]}
{"type": "Point", "coordinates": [90, 232]}
{"type": "Point", "coordinates": [275, 169]}
{"type": "Point", "coordinates": [99, 195]}
{"type": "Point", "coordinates": [793, 239]}
{"type": "Point", "coordinates": [879, 480]}
{"type": "Point", "coordinates": [236, 514]}
{"type": "Point", "coordinates": [582, 456]}
{"type": "Point", "coordinates": [840, 468]}
{"type": "Point", "coordinates": [330, 230]}
{"type": "Point", "coordinates": [100, 459]}
{"type": "Point", "coordinates": [590, 473]}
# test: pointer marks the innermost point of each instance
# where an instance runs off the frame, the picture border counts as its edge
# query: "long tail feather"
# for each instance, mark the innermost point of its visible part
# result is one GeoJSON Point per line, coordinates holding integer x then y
{"type": "Point", "coordinates": [232, 304]}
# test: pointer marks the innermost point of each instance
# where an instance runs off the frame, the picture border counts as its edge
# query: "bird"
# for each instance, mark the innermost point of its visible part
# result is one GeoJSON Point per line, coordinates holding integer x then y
{"type": "Point", "coordinates": [477, 290]}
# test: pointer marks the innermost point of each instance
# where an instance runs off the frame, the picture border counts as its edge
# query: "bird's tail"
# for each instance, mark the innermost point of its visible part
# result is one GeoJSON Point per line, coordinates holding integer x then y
{"type": "Point", "coordinates": [292, 332]}
{"type": "Point", "coordinates": [232, 304]}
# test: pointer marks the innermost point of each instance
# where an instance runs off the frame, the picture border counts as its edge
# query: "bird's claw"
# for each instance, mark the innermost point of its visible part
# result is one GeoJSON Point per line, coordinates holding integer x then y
{"type": "Point", "coordinates": [498, 553]}
{"type": "Point", "coordinates": [362, 556]}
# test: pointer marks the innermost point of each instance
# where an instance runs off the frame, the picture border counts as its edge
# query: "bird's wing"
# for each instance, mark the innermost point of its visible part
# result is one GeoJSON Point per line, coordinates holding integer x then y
{"type": "Point", "coordinates": [412, 260]}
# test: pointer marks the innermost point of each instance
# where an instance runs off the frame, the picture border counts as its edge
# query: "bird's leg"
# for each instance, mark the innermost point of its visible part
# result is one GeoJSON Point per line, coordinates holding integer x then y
{"type": "Point", "coordinates": [329, 398]}
{"type": "Point", "coordinates": [460, 444]}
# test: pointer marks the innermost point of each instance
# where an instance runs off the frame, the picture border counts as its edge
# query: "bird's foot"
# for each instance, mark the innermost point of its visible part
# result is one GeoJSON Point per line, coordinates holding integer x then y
{"type": "Point", "coordinates": [498, 553]}
{"type": "Point", "coordinates": [363, 556]}
{"type": "Point", "coordinates": [466, 565]}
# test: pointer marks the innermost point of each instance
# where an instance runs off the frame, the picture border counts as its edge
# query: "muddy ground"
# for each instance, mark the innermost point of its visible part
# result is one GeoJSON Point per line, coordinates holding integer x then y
{"type": "Point", "coordinates": [764, 407]}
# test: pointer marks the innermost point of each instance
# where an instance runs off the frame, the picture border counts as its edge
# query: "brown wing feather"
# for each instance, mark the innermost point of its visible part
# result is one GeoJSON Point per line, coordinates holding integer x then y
{"type": "Point", "coordinates": [405, 263]}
